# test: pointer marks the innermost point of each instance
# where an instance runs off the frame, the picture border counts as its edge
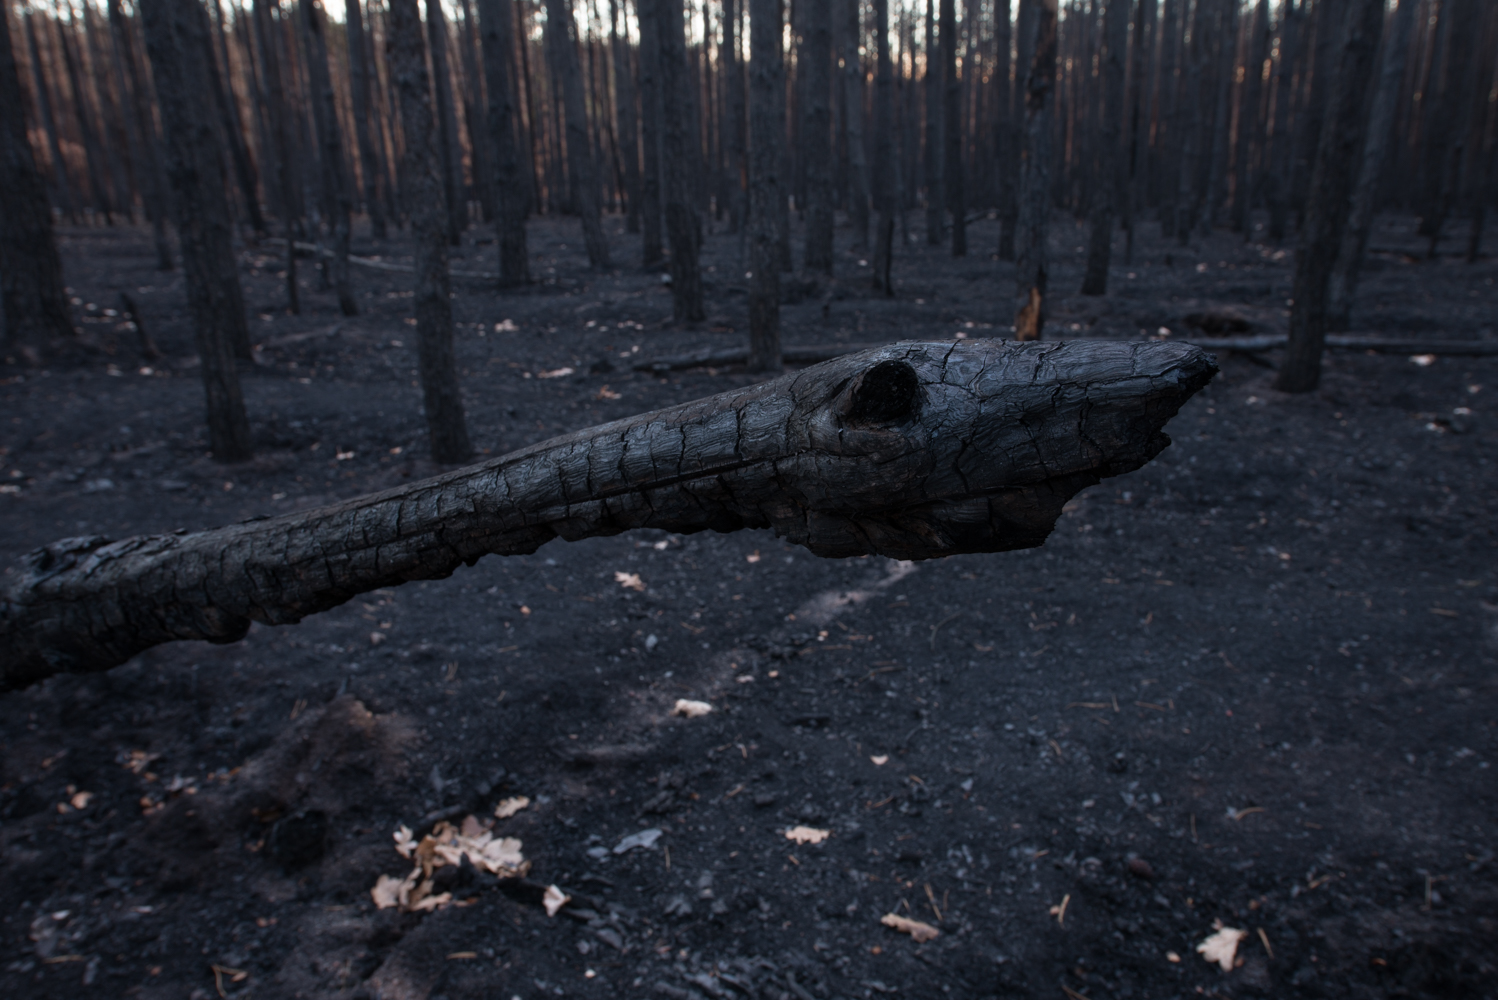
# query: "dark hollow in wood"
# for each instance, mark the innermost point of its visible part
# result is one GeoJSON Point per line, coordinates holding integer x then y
{"type": "Point", "coordinates": [914, 451]}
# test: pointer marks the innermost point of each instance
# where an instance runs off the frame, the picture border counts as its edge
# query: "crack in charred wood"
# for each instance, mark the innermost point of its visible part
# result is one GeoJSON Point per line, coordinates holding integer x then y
{"type": "Point", "coordinates": [912, 451]}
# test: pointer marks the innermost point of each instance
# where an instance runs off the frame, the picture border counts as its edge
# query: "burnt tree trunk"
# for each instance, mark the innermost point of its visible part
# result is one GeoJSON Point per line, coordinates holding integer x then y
{"type": "Point", "coordinates": [179, 52]}
{"type": "Point", "coordinates": [360, 93]}
{"type": "Point", "coordinates": [886, 167]}
{"type": "Point", "coordinates": [146, 159]}
{"type": "Point", "coordinates": [496, 34]}
{"type": "Point", "coordinates": [652, 249]}
{"type": "Point", "coordinates": [816, 133]}
{"type": "Point", "coordinates": [422, 186]}
{"type": "Point", "coordinates": [952, 131]}
{"type": "Point", "coordinates": [766, 137]}
{"type": "Point", "coordinates": [1380, 136]}
{"type": "Point", "coordinates": [43, 95]}
{"type": "Point", "coordinates": [1250, 120]}
{"type": "Point", "coordinates": [1108, 188]}
{"type": "Point", "coordinates": [1328, 204]}
{"type": "Point", "coordinates": [936, 203]}
{"type": "Point", "coordinates": [1277, 182]}
{"type": "Point", "coordinates": [683, 225]}
{"type": "Point", "coordinates": [245, 175]}
{"type": "Point", "coordinates": [627, 118]}
{"type": "Point", "coordinates": [582, 165]}
{"type": "Point", "coordinates": [455, 195]}
{"type": "Point", "coordinates": [284, 139]}
{"type": "Point", "coordinates": [1005, 144]}
{"type": "Point", "coordinates": [337, 191]}
{"type": "Point", "coordinates": [853, 118]}
{"type": "Point", "coordinates": [33, 297]}
{"type": "Point", "coordinates": [914, 451]}
{"type": "Point", "coordinates": [1032, 266]}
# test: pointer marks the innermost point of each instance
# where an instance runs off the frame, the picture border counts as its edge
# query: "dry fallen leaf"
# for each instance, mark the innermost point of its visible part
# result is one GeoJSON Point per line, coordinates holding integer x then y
{"type": "Point", "coordinates": [554, 900]}
{"type": "Point", "coordinates": [807, 835]}
{"type": "Point", "coordinates": [404, 842]}
{"type": "Point", "coordinates": [446, 845]}
{"type": "Point", "coordinates": [80, 800]}
{"type": "Point", "coordinates": [918, 931]}
{"type": "Point", "coordinates": [691, 709]}
{"type": "Point", "coordinates": [880, 760]}
{"type": "Point", "coordinates": [1222, 947]}
{"type": "Point", "coordinates": [386, 892]}
{"type": "Point", "coordinates": [511, 806]}
{"type": "Point", "coordinates": [630, 580]}
{"type": "Point", "coordinates": [555, 373]}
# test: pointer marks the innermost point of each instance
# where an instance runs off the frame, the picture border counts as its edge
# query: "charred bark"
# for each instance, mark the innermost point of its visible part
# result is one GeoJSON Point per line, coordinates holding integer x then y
{"type": "Point", "coordinates": [455, 194]}
{"type": "Point", "coordinates": [651, 246]}
{"type": "Point", "coordinates": [337, 192]}
{"type": "Point", "coordinates": [1108, 189]}
{"type": "Point", "coordinates": [1033, 266]}
{"type": "Point", "coordinates": [178, 48]}
{"type": "Point", "coordinates": [683, 225]}
{"type": "Point", "coordinates": [914, 451]}
{"type": "Point", "coordinates": [886, 167]}
{"type": "Point", "coordinates": [627, 119]}
{"type": "Point", "coordinates": [361, 92]}
{"type": "Point", "coordinates": [952, 130]}
{"type": "Point", "coordinates": [33, 297]}
{"type": "Point", "coordinates": [853, 132]}
{"type": "Point", "coordinates": [497, 37]}
{"type": "Point", "coordinates": [561, 35]}
{"type": "Point", "coordinates": [816, 134]}
{"type": "Point", "coordinates": [421, 183]}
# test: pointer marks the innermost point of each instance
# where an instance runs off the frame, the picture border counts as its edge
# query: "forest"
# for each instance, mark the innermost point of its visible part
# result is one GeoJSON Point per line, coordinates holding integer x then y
{"type": "Point", "coordinates": [1131, 632]}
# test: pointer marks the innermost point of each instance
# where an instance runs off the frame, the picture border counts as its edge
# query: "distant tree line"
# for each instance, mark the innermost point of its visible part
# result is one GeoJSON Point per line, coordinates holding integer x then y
{"type": "Point", "coordinates": [1278, 119]}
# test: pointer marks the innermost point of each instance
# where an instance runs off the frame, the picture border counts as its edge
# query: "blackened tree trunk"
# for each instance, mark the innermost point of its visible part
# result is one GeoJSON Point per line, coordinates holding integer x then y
{"type": "Point", "coordinates": [455, 195]}
{"type": "Point", "coordinates": [1141, 93]}
{"type": "Point", "coordinates": [480, 146]}
{"type": "Point", "coordinates": [766, 137]}
{"type": "Point", "coordinates": [93, 152]}
{"type": "Point", "coordinates": [1005, 144]}
{"type": "Point", "coordinates": [652, 250]}
{"type": "Point", "coordinates": [178, 47]}
{"type": "Point", "coordinates": [43, 95]}
{"type": "Point", "coordinates": [283, 134]}
{"type": "Point", "coordinates": [1451, 121]}
{"type": "Point", "coordinates": [1354, 244]}
{"type": "Point", "coordinates": [853, 131]}
{"type": "Point", "coordinates": [953, 133]}
{"type": "Point", "coordinates": [582, 165]}
{"type": "Point", "coordinates": [886, 167]}
{"type": "Point", "coordinates": [146, 156]}
{"type": "Point", "coordinates": [683, 226]}
{"type": "Point", "coordinates": [1108, 188]}
{"type": "Point", "coordinates": [1277, 180]}
{"type": "Point", "coordinates": [497, 36]}
{"type": "Point", "coordinates": [1250, 119]}
{"type": "Point", "coordinates": [337, 190]}
{"type": "Point", "coordinates": [33, 297]}
{"type": "Point", "coordinates": [360, 91]}
{"type": "Point", "coordinates": [245, 173]}
{"type": "Point", "coordinates": [422, 186]}
{"type": "Point", "coordinates": [816, 133]}
{"type": "Point", "coordinates": [936, 202]}
{"type": "Point", "coordinates": [1329, 200]}
{"type": "Point", "coordinates": [1031, 270]}
{"type": "Point", "coordinates": [627, 119]}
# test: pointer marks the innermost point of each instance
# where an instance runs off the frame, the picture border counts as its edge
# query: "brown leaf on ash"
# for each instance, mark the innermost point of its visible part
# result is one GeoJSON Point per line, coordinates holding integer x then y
{"type": "Point", "coordinates": [511, 806]}
{"type": "Point", "coordinates": [919, 932]}
{"type": "Point", "coordinates": [807, 835]}
{"type": "Point", "coordinates": [1222, 947]}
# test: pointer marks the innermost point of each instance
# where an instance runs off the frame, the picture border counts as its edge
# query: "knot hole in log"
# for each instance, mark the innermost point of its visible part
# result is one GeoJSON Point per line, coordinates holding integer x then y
{"type": "Point", "coordinates": [887, 392]}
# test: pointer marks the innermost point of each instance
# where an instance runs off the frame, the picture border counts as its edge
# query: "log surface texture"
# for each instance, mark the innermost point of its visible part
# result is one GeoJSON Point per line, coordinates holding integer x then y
{"type": "Point", "coordinates": [914, 451]}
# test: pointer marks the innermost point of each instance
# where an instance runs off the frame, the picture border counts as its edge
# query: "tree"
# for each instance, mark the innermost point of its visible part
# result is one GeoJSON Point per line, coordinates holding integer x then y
{"type": "Point", "coordinates": [853, 133]}
{"type": "Point", "coordinates": [360, 93]}
{"type": "Point", "coordinates": [683, 225]}
{"type": "Point", "coordinates": [952, 130]}
{"type": "Point", "coordinates": [455, 194]}
{"type": "Point", "coordinates": [886, 167]}
{"type": "Point", "coordinates": [766, 137]}
{"type": "Point", "coordinates": [936, 204]}
{"type": "Point", "coordinates": [284, 142]}
{"type": "Point", "coordinates": [178, 46]}
{"type": "Point", "coordinates": [816, 133]}
{"type": "Point", "coordinates": [628, 119]}
{"type": "Point", "coordinates": [1032, 267]}
{"type": "Point", "coordinates": [33, 299]}
{"type": "Point", "coordinates": [1328, 204]}
{"type": "Point", "coordinates": [652, 250]}
{"type": "Point", "coordinates": [496, 36]}
{"type": "Point", "coordinates": [561, 36]}
{"type": "Point", "coordinates": [914, 451]}
{"type": "Point", "coordinates": [337, 192]}
{"type": "Point", "coordinates": [1109, 184]}
{"type": "Point", "coordinates": [422, 185]}
{"type": "Point", "coordinates": [145, 156]}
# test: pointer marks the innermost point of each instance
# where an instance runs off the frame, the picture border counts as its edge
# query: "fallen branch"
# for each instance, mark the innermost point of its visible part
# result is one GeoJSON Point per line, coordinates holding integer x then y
{"type": "Point", "coordinates": [711, 357]}
{"type": "Point", "coordinates": [912, 451]}
{"type": "Point", "coordinates": [380, 265]}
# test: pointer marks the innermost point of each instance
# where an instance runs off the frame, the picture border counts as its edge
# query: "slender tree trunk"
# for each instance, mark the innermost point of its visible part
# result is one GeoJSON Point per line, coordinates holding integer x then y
{"type": "Point", "coordinates": [582, 165]}
{"type": "Point", "coordinates": [337, 192]}
{"type": "Point", "coordinates": [1033, 265]}
{"type": "Point", "coordinates": [1109, 188]}
{"type": "Point", "coordinates": [149, 172]}
{"type": "Point", "coordinates": [936, 200]}
{"type": "Point", "coordinates": [853, 132]}
{"type": "Point", "coordinates": [359, 92]}
{"type": "Point", "coordinates": [1354, 243]}
{"type": "Point", "coordinates": [1168, 136]}
{"type": "Point", "coordinates": [43, 94]}
{"type": "Point", "coordinates": [953, 133]}
{"type": "Point", "coordinates": [455, 193]}
{"type": "Point", "coordinates": [1281, 149]}
{"type": "Point", "coordinates": [1332, 181]}
{"type": "Point", "coordinates": [422, 184]}
{"type": "Point", "coordinates": [1451, 122]}
{"type": "Point", "coordinates": [479, 144]}
{"type": "Point", "coordinates": [628, 120]}
{"type": "Point", "coordinates": [245, 174]}
{"type": "Point", "coordinates": [1250, 120]}
{"type": "Point", "coordinates": [178, 46]}
{"type": "Point", "coordinates": [652, 250]}
{"type": "Point", "coordinates": [118, 137]}
{"type": "Point", "coordinates": [33, 297]}
{"type": "Point", "coordinates": [1005, 144]}
{"type": "Point", "coordinates": [766, 137]}
{"type": "Point", "coordinates": [496, 34]}
{"type": "Point", "coordinates": [285, 152]}
{"type": "Point", "coordinates": [1224, 61]}
{"type": "Point", "coordinates": [1326, 23]}
{"type": "Point", "coordinates": [886, 167]}
{"type": "Point", "coordinates": [1140, 65]}
{"type": "Point", "coordinates": [816, 133]}
{"type": "Point", "coordinates": [1195, 129]}
{"type": "Point", "coordinates": [683, 225]}
{"type": "Point", "coordinates": [93, 153]}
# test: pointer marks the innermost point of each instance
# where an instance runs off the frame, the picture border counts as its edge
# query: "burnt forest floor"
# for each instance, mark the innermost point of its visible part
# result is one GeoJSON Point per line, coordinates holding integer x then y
{"type": "Point", "coordinates": [1251, 683]}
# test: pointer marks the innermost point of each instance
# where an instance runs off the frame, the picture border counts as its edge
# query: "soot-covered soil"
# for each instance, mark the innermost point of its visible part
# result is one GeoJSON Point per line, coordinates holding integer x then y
{"type": "Point", "coordinates": [1250, 685]}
